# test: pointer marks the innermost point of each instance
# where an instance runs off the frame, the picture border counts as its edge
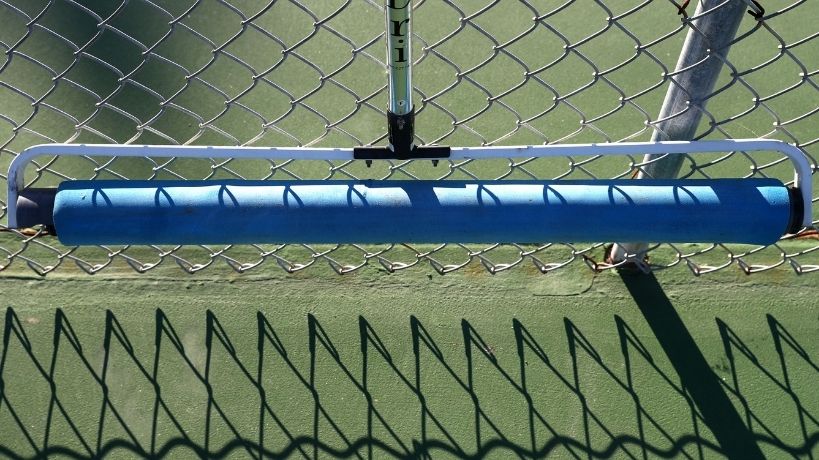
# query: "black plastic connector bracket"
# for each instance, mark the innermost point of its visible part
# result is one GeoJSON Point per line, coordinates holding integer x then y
{"type": "Point", "coordinates": [427, 152]}
{"type": "Point", "coordinates": [401, 137]}
{"type": "Point", "coordinates": [401, 131]}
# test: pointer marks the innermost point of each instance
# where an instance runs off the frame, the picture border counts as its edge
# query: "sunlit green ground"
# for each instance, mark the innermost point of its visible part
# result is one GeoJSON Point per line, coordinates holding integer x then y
{"type": "Point", "coordinates": [572, 363]}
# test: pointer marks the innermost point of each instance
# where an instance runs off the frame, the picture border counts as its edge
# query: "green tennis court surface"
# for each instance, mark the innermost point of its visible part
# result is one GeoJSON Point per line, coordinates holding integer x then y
{"type": "Point", "coordinates": [376, 365]}
{"type": "Point", "coordinates": [569, 364]}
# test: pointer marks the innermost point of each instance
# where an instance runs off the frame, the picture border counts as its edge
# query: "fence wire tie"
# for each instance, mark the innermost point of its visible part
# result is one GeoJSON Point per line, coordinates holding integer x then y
{"type": "Point", "coordinates": [757, 11]}
{"type": "Point", "coordinates": [681, 9]}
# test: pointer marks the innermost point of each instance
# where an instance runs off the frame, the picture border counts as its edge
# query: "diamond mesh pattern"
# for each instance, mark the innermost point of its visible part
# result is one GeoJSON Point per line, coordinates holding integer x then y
{"type": "Point", "coordinates": [309, 73]}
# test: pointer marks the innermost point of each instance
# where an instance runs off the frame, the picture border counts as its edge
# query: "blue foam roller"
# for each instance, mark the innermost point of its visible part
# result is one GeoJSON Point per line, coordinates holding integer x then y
{"type": "Point", "coordinates": [754, 211]}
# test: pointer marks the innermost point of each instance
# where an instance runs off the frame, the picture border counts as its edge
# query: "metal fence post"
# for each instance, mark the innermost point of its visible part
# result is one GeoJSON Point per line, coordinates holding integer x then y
{"type": "Point", "coordinates": [706, 46]}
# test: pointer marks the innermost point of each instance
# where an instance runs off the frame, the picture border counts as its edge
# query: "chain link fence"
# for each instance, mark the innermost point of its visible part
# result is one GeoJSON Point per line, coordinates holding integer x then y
{"type": "Point", "coordinates": [312, 73]}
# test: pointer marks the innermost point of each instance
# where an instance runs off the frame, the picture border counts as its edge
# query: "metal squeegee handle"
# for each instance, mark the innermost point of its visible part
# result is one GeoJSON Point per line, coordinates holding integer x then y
{"type": "Point", "coordinates": [802, 167]}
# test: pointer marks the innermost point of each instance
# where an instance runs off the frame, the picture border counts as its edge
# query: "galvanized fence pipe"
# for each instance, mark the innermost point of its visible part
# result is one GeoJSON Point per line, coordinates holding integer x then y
{"type": "Point", "coordinates": [710, 35]}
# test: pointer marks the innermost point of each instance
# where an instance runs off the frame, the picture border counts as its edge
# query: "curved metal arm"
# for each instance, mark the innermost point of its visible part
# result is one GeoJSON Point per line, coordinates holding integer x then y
{"type": "Point", "coordinates": [802, 167]}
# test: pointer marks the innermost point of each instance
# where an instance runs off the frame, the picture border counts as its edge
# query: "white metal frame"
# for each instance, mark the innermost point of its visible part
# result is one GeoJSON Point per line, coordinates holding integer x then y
{"type": "Point", "coordinates": [802, 167]}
